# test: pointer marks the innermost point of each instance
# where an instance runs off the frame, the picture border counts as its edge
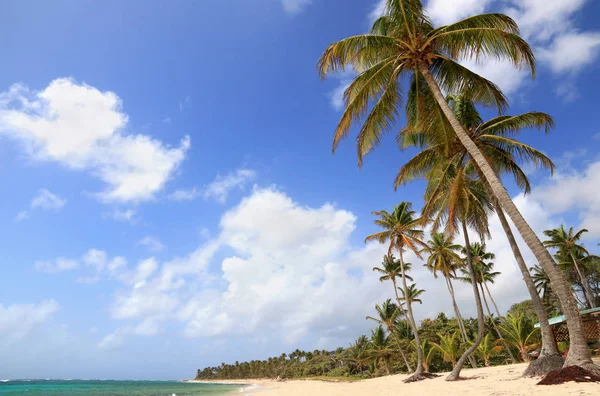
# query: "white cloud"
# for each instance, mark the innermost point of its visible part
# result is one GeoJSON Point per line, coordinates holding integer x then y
{"type": "Point", "coordinates": [574, 191]}
{"type": "Point", "coordinates": [59, 265]}
{"type": "Point", "coordinates": [153, 244]}
{"type": "Point", "coordinates": [82, 128]}
{"type": "Point", "coordinates": [377, 11]}
{"type": "Point", "coordinates": [294, 6]}
{"type": "Point", "coordinates": [18, 320]}
{"type": "Point", "coordinates": [44, 200]}
{"type": "Point", "coordinates": [540, 20]}
{"type": "Point", "coordinates": [185, 195]}
{"type": "Point", "coordinates": [126, 215]}
{"type": "Point", "coordinates": [503, 74]}
{"type": "Point", "coordinates": [571, 52]}
{"type": "Point", "coordinates": [444, 12]}
{"type": "Point", "coordinates": [98, 260]}
{"type": "Point", "coordinates": [218, 189]}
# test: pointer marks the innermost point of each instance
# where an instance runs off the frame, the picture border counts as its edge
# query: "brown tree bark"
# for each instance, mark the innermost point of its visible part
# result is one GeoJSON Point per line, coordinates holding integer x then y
{"type": "Point", "coordinates": [455, 374]}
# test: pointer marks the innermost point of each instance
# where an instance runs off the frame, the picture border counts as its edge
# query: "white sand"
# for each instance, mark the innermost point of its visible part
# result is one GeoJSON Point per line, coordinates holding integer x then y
{"type": "Point", "coordinates": [498, 381]}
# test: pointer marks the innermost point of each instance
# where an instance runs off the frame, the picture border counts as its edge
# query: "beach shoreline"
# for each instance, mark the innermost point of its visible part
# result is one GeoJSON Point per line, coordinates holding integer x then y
{"type": "Point", "coordinates": [496, 381]}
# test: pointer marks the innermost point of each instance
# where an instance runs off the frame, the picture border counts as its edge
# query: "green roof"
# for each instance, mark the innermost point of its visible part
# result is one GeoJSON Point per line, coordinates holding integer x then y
{"type": "Point", "coordinates": [562, 318]}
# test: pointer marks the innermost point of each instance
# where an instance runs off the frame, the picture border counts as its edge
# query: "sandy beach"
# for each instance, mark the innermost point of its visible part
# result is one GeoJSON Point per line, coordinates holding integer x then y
{"type": "Point", "coordinates": [498, 381]}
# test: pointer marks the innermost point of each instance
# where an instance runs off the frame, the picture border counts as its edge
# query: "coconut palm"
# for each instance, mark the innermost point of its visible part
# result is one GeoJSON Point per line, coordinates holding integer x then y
{"type": "Point", "coordinates": [444, 258]}
{"type": "Point", "coordinates": [380, 349]}
{"type": "Point", "coordinates": [455, 197]}
{"type": "Point", "coordinates": [487, 349]}
{"type": "Point", "coordinates": [495, 138]}
{"type": "Point", "coordinates": [388, 314]}
{"type": "Point", "coordinates": [402, 44]}
{"type": "Point", "coordinates": [449, 348]}
{"type": "Point", "coordinates": [566, 242]}
{"type": "Point", "coordinates": [519, 332]}
{"type": "Point", "coordinates": [413, 294]}
{"type": "Point", "coordinates": [402, 230]}
{"type": "Point", "coordinates": [484, 274]}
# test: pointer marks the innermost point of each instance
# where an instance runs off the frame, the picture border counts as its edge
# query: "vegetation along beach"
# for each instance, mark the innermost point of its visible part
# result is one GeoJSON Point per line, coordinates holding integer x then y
{"type": "Point", "coordinates": [176, 223]}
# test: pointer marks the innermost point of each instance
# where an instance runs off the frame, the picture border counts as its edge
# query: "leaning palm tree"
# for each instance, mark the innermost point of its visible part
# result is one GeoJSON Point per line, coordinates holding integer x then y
{"type": "Point", "coordinates": [567, 244]}
{"type": "Point", "coordinates": [388, 314]}
{"type": "Point", "coordinates": [444, 258]}
{"type": "Point", "coordinates": [455, 198]}
{"type": "Point", "coordinates": [403, 43]}
{"type": "Point", "coordinates": [495, 138]}
{"type": "Point", "coordinates": [402, 230]}
{"type": "Point", "coordinates": [484, 274]}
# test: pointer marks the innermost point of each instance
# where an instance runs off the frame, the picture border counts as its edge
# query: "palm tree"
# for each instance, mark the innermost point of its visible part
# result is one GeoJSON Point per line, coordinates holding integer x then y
{"type": "Point", "coordinates": [402, 230]}
{"type": "Point", "coordinates": [487, 349]}
{"type": "Point", "coordinates": [443, 257]}
{"type": "Point", "coordinates": [380, 350]}
{"type": "Point", "coordinates": [484, 274]}
{"type": "Point", "coordinates": [413, 294]}
{"type": "Point", "coordinates": [520, 332]}
{"type": "Point", "coordinates": [454, 196]}
{"type": "Point", "coordinates": [495, 139]}
{"type": "Point", "coordinates": [404, 43]}
{"type": "Point", "coordinates": [567, 244]}
{"type": "Point", "coordinates": [389, 313]}
{"type": "Point", "coordinates": [449, 347]}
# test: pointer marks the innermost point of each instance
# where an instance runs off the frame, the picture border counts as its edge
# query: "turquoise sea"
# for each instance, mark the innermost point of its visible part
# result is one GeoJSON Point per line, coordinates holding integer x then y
{"type": "Point", "coordinates": [112, 388]}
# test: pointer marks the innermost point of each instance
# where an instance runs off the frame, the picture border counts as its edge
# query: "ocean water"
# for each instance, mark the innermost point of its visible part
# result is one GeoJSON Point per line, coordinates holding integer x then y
{"type": "Point", "coordinates": [113, 388]}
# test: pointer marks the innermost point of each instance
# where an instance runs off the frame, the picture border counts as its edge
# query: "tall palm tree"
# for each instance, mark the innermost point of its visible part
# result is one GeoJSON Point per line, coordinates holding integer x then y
{"type": "Point", "coordinates": [388, 314]}
{"type": "Point", "coordinates": [495, 138]}
{"type": "Point", "coordinates": [454, 196]}
{"type": "Point", "coordinates": [567, 244]}
{"type": "Point", "coordinates": [403, 231]}
{"type": "Point", "coordinates": [484, 274]}
{"type": "Point", "coordinates": [403, 43]}
{"type": "Point", "coordinates": [444, 258]}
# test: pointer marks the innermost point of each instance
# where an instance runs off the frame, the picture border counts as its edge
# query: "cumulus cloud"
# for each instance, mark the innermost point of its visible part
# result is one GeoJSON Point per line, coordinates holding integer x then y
{"type": "Point", "coordinates": [294, 6]}
{"type": "Point", "coordinates": [18, 320]}
{"type": "Point", "coordinates": [571, 52]}
{"type": "Point", "coordinates": [44, 200]}
{"type": "Point", "coordinates": [219, 188]}
{"type": "Point", "coordinates": [444, 12]}
{"type": "Point", "coordinates": [574, 191]}
{"type": "Point", "coordinates": [83, 128]}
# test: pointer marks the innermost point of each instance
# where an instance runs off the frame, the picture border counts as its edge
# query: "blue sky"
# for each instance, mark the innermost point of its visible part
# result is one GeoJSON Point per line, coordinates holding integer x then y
{"type": "Point", "coordinates": [170, 200]}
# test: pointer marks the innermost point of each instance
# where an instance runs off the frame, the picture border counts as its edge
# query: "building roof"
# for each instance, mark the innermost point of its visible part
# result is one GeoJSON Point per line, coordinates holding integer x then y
{"type": "Point", "coordinates": [561, 318]}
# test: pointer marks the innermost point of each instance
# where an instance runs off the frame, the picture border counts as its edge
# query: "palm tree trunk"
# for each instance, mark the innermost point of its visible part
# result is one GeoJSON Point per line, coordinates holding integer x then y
{"type": "Point", "coordinates": [400, 307]}
{"type": "Point", "coordinates": [461, 325]}
{"type": "Point", "coordinates": [584, 283]}
{"type": "Point", "coordinates": [402, 352]}
{"type": "Point", "coordinates": [487, 289]}
{"type": "Point", "coordinates": [411, 319]}
{"type": "Point", "coordinates": [548, 346]}
{"type": "Point", "coordinates": [579, 354]}
{"type": "Point", "coordinates": [454, 375]}
{"type": "Point", "coordinates": [506, 346]}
